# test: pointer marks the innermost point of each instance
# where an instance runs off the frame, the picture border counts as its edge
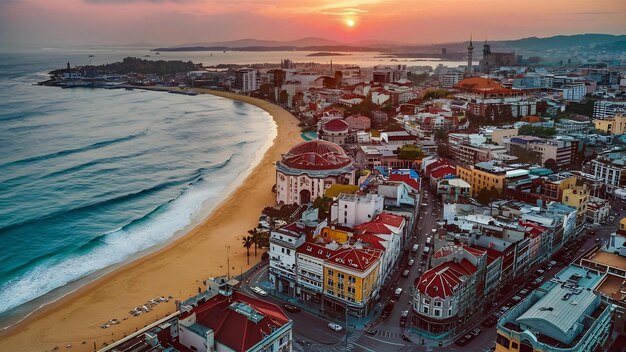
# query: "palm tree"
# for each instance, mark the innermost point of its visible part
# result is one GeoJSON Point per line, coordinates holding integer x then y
{"type": "Point", "coordinates": [247, 243]}
{"type": "Point", "coordinates": [256, 237]}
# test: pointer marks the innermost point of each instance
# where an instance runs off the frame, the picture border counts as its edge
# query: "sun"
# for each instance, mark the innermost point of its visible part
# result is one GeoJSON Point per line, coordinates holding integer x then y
{"type": "Point", "coordinates": [350, 22]}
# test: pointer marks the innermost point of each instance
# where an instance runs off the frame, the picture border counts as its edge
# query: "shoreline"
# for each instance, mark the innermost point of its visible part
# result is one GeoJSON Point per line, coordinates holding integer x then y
{"type": "Point", "coordinates": [180, 264]}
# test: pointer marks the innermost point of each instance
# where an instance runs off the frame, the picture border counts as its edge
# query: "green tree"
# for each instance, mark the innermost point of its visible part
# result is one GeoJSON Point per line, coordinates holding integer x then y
{"type": "Point", "coordinates": [247, 243]}
{"type": "Point", "coordinates": [410, 152]}
{"type": "Point", "coordinates": [487, 195]}
{"type": "Point", "coordinates": [256, 237]}
{"type": "Point", "coordinates": [539, 131]}
{"type": "Point", "coordinates": [441, 135]}
{"type": "Point", "coordinates": [323, 205]}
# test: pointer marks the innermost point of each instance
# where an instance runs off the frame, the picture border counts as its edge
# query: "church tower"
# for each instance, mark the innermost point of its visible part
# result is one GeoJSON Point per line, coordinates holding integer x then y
{"type": "Point", "coordinates": [470, 52]}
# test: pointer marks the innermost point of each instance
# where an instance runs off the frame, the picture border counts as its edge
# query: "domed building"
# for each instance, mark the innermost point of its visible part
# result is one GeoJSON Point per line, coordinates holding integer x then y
{"type": "Point", "coordinates": [335, 131]}
{"type": "Point", "coordinates": [309, 168]}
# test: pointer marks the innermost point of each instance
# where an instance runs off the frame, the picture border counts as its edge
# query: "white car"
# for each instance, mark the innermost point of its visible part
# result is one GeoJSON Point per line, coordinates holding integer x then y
{"type": "Point", "coordinates": [259, 291]}
{"type": "Point", "coordinates": [334, 326]}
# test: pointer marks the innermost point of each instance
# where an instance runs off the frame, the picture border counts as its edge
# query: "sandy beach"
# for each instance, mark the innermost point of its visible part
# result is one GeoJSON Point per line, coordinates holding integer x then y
{"type": "Point", "coordinates": [177, 269]}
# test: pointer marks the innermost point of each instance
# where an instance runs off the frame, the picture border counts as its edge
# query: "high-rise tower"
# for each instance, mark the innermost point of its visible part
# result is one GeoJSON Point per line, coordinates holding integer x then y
{"type": "Point", "coordinates": [470, 53]}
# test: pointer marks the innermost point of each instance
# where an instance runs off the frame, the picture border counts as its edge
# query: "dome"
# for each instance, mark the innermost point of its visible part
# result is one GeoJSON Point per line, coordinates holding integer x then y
{"type": "Point", "coordinates": [336, 125]}
{"type": "Point", "coordinates": [316, 155]}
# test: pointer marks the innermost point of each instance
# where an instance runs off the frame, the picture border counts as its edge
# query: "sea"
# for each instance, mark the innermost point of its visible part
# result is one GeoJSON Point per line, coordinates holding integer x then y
{"type": "Point", "coordinates": [92, 178]}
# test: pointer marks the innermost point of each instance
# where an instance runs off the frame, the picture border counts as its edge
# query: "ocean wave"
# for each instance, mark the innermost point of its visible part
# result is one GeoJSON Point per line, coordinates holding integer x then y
{"type": "Point", "coordinates": [73, 151]}
{"type": "Point", "coordinates": [114, 247]}
{"type": "Point", "coordinates": [75, 211]}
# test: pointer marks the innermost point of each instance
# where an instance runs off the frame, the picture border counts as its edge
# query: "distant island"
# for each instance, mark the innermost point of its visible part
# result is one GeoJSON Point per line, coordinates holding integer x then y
{"type": "Point", "coordinates": [326, 53]}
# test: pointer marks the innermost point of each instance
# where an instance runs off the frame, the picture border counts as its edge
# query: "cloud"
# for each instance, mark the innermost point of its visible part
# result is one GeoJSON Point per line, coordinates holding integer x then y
{"type": "Point", "coordinates": [133, 1]}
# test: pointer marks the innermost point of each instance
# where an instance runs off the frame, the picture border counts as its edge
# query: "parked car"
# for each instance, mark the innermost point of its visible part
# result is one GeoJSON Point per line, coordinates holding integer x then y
{"type": "Point", "coordinates": [462, 341]}
{"type": "Point", "coordinates": [490, 322]}
{"type": "Point", "coordinates": [371, 332]}
{"type": "Point", "coordinates": [259, 291]}
{"type": "Point", "coordinates": [397, 292]}
{"type": "Point", "coordinates": [405, 273]}
{"type": "Point", "coordinates": [388, 308]}
{"type": "Point", "coordinates": [411, 261]}
{"type": "Point", "coordinates": [335, 327]}
{"type": "Point", "coordinates": [403, 317]}
{"type": "Point", "coordinates": [291, 308]}
{"type": "Point", "coordinates": [475, 331]}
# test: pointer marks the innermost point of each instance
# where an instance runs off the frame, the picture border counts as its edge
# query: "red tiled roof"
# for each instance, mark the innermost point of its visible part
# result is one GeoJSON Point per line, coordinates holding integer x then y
{"type": "Point", "coordinates": [336, 125]}
{"type": "Point", "coordinates": [316, 155]}
{"type": "Point", "coordinates": [390, 219]}
{"type": "Point", "coordinates": [413, 183]}
{"type": "Point", "coordinates": [474, 251]}
{"type": "Point", "coordinates": [492, 254]}
{"type": "Point", "coordinates": [373, 240]}
{"type": "Point", "coordinates": [359, 117]}
{"type": "Point", "coordinates": [533, 230]}
{"type": "Point", "coordinates": [442, 280]}
{"type": "Point", "coordinates": [380, 224]}
{"type": "Point", "coordinates": [356, 259]}
{"type": "Point", "coordinates": [481, 85]}
{"type": "Point", "coordinates": [234, 329]}
{"type": "Point", "coordinates": [373, 227]}
{"type": "Point", "coordinates": [442, 171]}
{"type": "Point", "coordinates": [316, 250]}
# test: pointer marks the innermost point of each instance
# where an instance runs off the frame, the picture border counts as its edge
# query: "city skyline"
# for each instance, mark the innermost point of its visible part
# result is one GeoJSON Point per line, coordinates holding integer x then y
{"type": "Point", "coordinates": [27, 23]}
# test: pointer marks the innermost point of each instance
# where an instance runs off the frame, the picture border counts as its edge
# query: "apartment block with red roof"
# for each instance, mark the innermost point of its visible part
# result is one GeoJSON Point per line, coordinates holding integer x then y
{"type": "Point", "coordinates": [231, 321]}
{"type": "Point", "coordinates": [351, 280]}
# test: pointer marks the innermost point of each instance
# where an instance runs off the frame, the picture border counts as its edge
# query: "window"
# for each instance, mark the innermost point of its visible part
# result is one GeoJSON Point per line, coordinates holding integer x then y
{"type": "Point", "coordinates": [330, 272]}
{"type": "Point", "coordinates": [425, 309]}
{"type": "Point", "coordinates": [426, 300]}
{"type": "Point", "coordinates": [437, 303]}
{"type": "Point", "coordinates": [502, 341]}
{"type": "Point", "coordinates": [437, 312]}
{"type": "Point", "coordinates": [514, 345]}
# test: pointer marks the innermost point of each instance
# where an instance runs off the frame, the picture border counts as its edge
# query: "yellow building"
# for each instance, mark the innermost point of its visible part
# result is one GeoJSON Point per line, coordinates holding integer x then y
{"type": "Point", "coordinates": [482, 176]}
{"type": "Point", "coordinates": [622, 224]}
{"type": "Point", "coordinates": [351, 280]}
{"type": "Point", "coordinates": [330, 234]}
{"type": "Point", "coordinates": [576, 197]}
{"type": "Point", "coordinates": [614, 125]}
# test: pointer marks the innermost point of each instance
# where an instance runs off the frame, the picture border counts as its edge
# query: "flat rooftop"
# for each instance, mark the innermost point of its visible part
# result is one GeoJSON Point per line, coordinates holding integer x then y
{"type": "Point", "coordinates": [611, 287]}
{"type": "Point", "coordinates": [609, 259]}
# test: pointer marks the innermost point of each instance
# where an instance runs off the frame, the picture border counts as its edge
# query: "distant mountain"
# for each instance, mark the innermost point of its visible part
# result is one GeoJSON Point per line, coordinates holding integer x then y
{"type": "Point", "coordinates": [561, 41]}
{"type": "Point", "coordinates": [244, 43]}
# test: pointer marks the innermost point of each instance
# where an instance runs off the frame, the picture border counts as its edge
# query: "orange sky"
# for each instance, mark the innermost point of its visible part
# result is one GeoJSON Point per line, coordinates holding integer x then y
{"type": "Point", "coordinates": [164, 22]}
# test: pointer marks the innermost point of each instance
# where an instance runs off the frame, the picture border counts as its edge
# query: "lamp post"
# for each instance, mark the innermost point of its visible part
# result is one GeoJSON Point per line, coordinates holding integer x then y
{"type": "Point", "coordinates": [227, 263]}
{"type": "Point", "coordinates": [346, 346]}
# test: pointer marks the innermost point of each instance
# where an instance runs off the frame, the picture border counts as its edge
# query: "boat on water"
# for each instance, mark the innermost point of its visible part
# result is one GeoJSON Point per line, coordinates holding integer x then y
{"type": "Point", "coordinates": [90, 55]}
{"type": "Point", "coordinates": [158, 53]}
{"type": "Point", "coordinates": [182, 92]}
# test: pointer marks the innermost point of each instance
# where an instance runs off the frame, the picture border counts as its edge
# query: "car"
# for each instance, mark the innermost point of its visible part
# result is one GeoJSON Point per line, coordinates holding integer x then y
{"type": "Point", "coordinates": [523, 292]}
{"type": "Point", "coordinates": [291, 308]}
{"type": "Point", "coordinates": [597, 240]}
{"type": "Point", "coordinates": [397, 292]}
{"type": "Point", "coordinates": [475, 331]}
{"type": "Point", "coordinates": [411, 261]}
{"type": "Point", "coordinates": [371, 332]}
{"type": "Point", "coordinates": [490, 322]}
{"type": "Point", "coordinates": [540, 271]}
{"type": "Point", "coordinates": [406, 273]}
{"type": "Point", "coordinates": [423, 262]}
{"type": "Point", "coordinates": [335, 327]}
{"type": "Point", "coordinates": [405, 313]}
{"type": "Point", "coordinates": [415, 248]}
{"type": "Point", "coordinates": [462, 341]}
{"type": "Point", "coordinates": [386, 310]}
{"type": "Point", "coordinates": [259, 291]}
{"type": "Point", "coordinates": [516, 298]}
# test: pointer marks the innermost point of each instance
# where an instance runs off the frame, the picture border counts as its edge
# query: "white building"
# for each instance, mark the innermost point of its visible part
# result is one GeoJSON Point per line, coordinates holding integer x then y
{"type": "Point", "coordinates": [351, 209]}
{"type": "Point", "coordinates": [247, 80]}
{"type": "Point", "coordinates": [284, 243]}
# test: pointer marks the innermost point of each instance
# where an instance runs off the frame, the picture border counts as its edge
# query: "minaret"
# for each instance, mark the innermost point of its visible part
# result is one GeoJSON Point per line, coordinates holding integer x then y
{"type": "Point", "coordinates": [470, 52]}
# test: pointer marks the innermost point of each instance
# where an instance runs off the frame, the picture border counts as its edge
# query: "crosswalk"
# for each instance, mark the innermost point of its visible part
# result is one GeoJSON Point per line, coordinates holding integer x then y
{"type": "Point", "coordinates": [340, 346]}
